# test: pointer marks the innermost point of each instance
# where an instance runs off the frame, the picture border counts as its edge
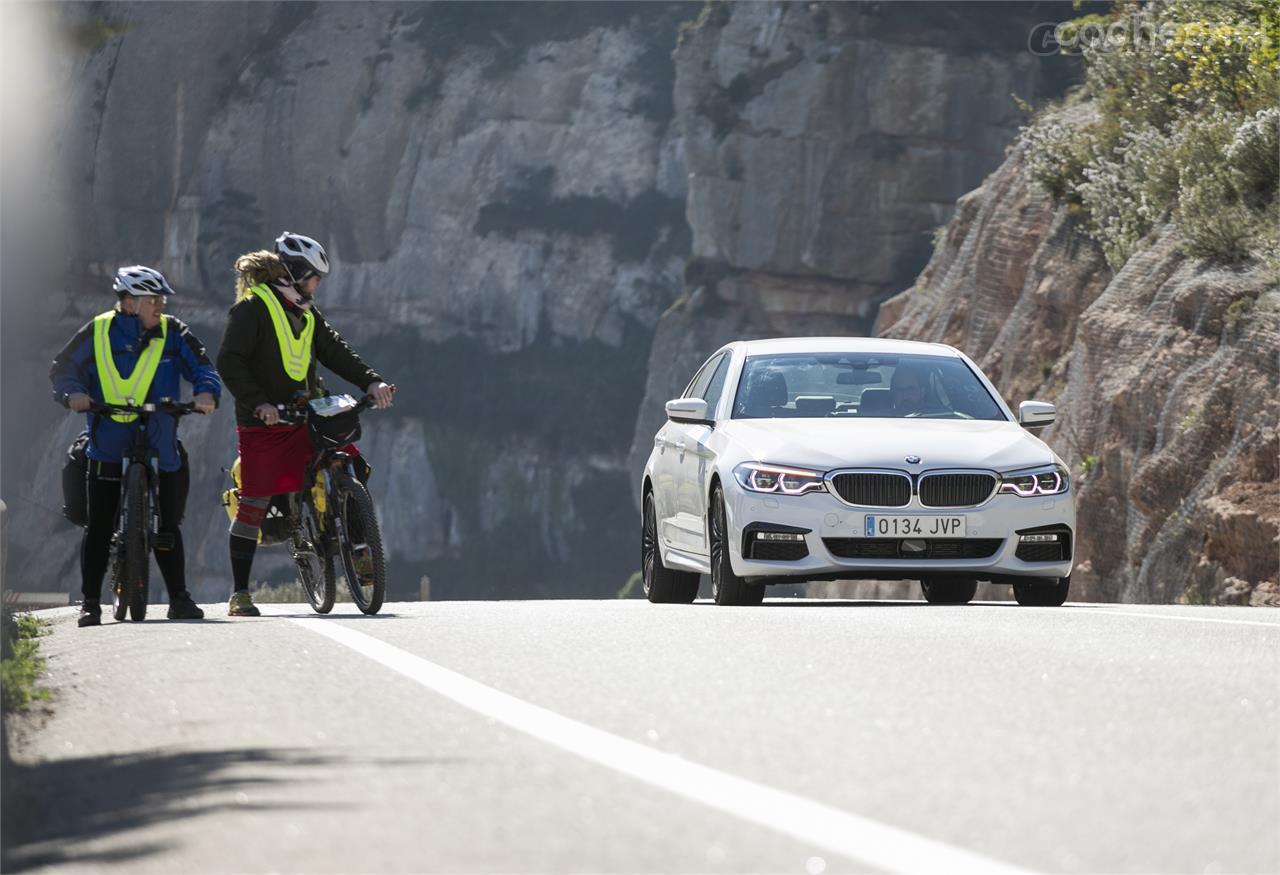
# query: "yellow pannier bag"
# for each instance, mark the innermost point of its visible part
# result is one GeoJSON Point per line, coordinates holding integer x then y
{"type": "Point", "coordinates": [276, 525]}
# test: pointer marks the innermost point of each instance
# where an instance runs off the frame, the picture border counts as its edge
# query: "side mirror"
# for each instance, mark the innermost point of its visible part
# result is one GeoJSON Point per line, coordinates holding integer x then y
{"type": "Point", "coordinates": [687, 410]}
{"type": "Point", "coordinates": [1036, 414]}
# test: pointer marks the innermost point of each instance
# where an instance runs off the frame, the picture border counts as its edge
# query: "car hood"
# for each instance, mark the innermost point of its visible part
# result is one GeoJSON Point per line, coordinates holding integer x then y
{"type": "Point", "coordinates": [824, 444]}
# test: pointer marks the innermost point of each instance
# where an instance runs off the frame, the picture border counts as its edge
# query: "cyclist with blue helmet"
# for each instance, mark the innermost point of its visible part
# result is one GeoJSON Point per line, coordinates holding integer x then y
{"type": "Point", "coordinates": [134, 354]}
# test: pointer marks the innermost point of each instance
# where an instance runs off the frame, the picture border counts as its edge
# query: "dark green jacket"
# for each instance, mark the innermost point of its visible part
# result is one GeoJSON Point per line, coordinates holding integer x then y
{"type": "Point", "coordinates": [249, 360]}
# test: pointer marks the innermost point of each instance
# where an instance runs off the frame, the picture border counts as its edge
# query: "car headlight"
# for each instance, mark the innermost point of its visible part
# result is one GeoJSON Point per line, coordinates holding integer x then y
{"type": "Point", "coordinates": [1045, 480]}
{"type": "Point", "coordinates": [757, 477]}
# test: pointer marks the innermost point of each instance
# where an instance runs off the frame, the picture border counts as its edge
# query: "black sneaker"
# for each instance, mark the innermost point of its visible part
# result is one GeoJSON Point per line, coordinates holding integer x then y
{"type": "Point", "coordinates": [90, 615]}
{"type": "Point", "coordinates": [183, 608]}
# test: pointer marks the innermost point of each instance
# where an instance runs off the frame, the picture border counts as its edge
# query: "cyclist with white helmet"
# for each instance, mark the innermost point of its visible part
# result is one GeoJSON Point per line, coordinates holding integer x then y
{"type": "Point", "coordinates": [134, 354]}
{"type": "Point", "coordinates": [274, 338]}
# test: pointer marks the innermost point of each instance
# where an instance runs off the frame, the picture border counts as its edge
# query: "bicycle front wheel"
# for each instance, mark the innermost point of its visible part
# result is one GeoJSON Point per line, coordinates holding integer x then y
{"type": "Point", "coordinates": [119, 591]}
{"type": "Point", "coordinates": [360, 543]}
{"type": "Point", "coordinates": [136, 566]}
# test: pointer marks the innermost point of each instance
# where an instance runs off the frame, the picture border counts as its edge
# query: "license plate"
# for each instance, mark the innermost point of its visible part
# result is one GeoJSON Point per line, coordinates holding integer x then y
{"type": "Point", "coordinates": [882, 526]}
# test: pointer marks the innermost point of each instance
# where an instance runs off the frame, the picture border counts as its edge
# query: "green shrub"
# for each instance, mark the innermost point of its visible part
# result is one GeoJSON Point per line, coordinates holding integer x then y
{"type": "Point", "coordinates": [22, 663]}
{"type": "Point", "coordinates": [1057, 154]}
{"type": "Point", "coordinates": [1254, 158]}
{"type": "Point", "coordinates": [1126, 193]}
{"type": "Point", "coordinates": [1213, 219]}
{"type": "Point", "coordinates": [1186, 127]}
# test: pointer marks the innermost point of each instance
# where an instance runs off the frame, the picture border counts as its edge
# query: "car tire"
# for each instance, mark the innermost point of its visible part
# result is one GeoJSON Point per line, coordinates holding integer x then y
{"type": "Point", "coordinates": [1042, 592]}
{"type": "Point", "coordinates": [661, 584]}
{"type": "Point", "coordinates": [727, 588]}
{"type": "Point", "coordinates": [949, 590]}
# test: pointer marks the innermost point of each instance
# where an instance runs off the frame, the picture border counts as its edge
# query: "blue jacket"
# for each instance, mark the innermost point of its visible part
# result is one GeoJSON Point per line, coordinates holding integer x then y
{"type": "Point", "coordinates": [74, 370]}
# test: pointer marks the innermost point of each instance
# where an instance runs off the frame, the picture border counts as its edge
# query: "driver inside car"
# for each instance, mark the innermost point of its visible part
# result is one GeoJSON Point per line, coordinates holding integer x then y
{"type": "Point", "coordinates": [907, 391]}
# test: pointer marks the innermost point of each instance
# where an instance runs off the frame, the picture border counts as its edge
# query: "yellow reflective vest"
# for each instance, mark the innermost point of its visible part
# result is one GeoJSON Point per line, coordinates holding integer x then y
{"type": "Point", "coordinates": [131, 390]}
{"type": "Point", "coordinates": [295, 352]}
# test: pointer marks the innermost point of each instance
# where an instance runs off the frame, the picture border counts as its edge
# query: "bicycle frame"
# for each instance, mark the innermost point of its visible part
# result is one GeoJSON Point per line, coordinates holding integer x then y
{"type": "Point", "coordinates": [319, 519]}
{"type": "Point", "coordinates": [140, 453]}
{"type": "Point", "coordinates": [325, 463]}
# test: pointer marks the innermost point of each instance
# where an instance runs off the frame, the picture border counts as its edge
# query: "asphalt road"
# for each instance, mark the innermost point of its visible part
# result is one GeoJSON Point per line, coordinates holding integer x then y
{"type": "Point", "coordinates": [802, 736]}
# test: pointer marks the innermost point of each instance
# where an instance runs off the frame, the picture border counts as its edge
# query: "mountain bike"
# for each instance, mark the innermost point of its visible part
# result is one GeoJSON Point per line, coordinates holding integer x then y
{"type": "Point", "coordinates": [333, 518]}
{"type": "Point", "coordinates": [137, 528]}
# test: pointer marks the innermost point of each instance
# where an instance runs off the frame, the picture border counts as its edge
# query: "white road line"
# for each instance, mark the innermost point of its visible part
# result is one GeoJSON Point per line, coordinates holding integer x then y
{"type": "Point", "coordinates": [1107, 612]}
{"type": "Point", "coordinates": [857, 838]}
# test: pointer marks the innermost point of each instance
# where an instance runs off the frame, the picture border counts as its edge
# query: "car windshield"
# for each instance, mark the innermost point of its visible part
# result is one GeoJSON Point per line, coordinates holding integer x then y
{"type": "Point", "coordinates": [862, 385]}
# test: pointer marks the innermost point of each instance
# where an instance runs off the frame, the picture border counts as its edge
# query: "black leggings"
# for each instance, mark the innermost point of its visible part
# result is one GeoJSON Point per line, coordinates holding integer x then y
{"type": "Point", "coordinates": [104, 496]}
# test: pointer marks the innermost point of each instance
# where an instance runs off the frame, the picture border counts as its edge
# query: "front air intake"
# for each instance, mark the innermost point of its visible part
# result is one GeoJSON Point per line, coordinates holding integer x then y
{"type": "Point", "coordinates": [925, 549]}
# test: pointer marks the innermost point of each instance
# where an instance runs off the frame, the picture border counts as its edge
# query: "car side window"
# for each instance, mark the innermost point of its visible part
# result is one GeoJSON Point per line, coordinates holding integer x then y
{"type": "Point", "coordinates": [699, 384]}
{"type": "Point", "coordinates": [716, 386]}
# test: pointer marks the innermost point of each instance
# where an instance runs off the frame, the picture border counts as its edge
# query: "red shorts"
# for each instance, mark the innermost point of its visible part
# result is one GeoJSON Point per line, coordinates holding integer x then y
{"type": "Point", "coordinates": [273, 459]}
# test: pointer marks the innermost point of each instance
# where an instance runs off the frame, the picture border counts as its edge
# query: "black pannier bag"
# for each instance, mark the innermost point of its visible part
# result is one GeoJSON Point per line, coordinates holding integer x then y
{"type": "Point", "coordinates": [75, 489]}
{"type": "Point", "coordinates": [277, 524]}
{"type": "Point", "coordinates": [75, 486]}
{"type": "Point", "coordinates": [336, 422]}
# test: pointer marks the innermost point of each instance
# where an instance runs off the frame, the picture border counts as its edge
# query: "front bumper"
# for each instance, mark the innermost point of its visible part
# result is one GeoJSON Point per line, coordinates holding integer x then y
{"type": "Point", "coordinates": [827, 523]}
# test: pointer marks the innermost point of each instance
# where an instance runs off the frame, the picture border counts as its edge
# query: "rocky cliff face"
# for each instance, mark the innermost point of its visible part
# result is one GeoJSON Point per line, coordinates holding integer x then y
{"type": "Point", "coordinates": [1164, 375]}
{"type": "Point", "coordinates": [540, 223]}
{"type": "Point", "coordinates": [824, 144]}
{"type": "Point", "coordinates": [501, 191]}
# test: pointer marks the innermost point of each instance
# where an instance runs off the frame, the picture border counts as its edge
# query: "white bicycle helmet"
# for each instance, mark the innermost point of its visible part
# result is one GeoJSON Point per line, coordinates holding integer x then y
{"type": "Point", "coordinates": [301, 256]}
{"type": "Point", "coordinates": [140, 281]}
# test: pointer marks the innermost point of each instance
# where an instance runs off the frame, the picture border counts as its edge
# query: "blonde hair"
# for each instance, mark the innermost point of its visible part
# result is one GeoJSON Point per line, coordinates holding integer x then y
{"type": "Point", "coordinates": [254, 268]}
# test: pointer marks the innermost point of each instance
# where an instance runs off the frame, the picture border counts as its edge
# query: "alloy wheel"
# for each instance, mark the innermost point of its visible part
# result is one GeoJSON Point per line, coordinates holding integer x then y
{"type": "Point", "coordinates": [648, 544]}
{"type": "Point", "coordinates": [717, 543]}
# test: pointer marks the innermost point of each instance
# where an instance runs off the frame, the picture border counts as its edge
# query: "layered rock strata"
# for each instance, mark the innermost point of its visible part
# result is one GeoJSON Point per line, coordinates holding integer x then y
{"type": "Point", "coordinates": [501, 191]}
{"type": "Point", "coordinates": [824, 144]}
{"type": "Point", "coordinates": [1164, 375]}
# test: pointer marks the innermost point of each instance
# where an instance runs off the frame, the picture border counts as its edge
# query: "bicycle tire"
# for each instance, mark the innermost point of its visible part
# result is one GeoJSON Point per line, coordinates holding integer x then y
{"type": "Point", "coordinates": [307, 553]}
{"type": "Point", "coordinates": [137, 565]}
{"type": "Point", "coordinates": [119, 597]}
{"type": "Point", "coordinates": [359, 525]}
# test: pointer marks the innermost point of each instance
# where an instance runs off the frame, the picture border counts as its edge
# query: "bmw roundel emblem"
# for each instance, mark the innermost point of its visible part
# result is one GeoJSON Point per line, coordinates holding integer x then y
{"type": "Point", "coordinates": [913, 460]}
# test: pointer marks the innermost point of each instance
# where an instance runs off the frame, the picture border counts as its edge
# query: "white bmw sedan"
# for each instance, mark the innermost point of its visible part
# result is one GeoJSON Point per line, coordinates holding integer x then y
{"type": "Point", "coordinates": [852, 458]}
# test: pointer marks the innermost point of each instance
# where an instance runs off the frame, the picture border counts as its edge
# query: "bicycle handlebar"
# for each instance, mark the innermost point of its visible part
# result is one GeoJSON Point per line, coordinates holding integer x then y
{"type": "Point", "coordinates": [299, 414]}
{"type": "Point", "coordinates": [181, 409]}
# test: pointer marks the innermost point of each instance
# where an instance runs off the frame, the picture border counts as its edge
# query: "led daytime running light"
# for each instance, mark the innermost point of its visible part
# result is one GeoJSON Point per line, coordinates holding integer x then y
{"type": "Point", "coordinates": [776, 479]}
{"type": "Point", "coordinates": [1036, 482]}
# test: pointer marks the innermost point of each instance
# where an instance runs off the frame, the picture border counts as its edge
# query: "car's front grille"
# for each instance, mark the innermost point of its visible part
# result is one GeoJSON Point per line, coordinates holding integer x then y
{"type": "Point", "coordinates": [873, 489]}
{"type": "Point", "coordinates": [891, 548]}
{"type": "Point", "coordinates": [955, 490]}
{"type": "Point", "coordinates": [779, 551]}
